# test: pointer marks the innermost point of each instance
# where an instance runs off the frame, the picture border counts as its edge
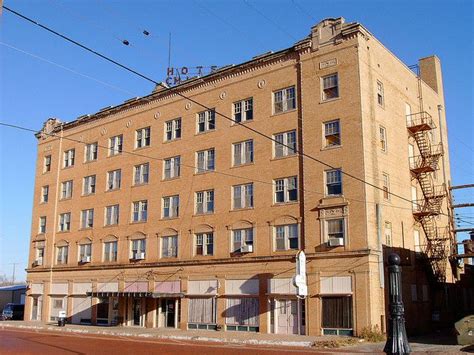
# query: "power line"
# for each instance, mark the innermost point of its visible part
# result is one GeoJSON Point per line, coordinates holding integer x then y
{"type": "Point", "coordinates": [174, 91]}
{"type": "Point", "coordinates": [303, 10]}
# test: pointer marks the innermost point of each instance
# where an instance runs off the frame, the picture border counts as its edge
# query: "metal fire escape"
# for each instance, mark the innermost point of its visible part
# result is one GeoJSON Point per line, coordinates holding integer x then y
{"type": "Point", "coordinates": [426, 210]}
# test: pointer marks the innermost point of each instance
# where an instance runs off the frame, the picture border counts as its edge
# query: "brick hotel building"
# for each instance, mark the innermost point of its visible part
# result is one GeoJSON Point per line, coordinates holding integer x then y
{"type": "Point", "coordinates": [161, 213]}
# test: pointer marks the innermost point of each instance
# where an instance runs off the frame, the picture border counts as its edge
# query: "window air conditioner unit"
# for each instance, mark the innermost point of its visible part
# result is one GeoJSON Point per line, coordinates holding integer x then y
{"type": "Point", "coordinates": [86, 259]}
{"type": "Point", "coordinates": [336, 242]}
{"type": "Point", "coordinates": [139, 256]}
{"type": "Point", "coordinates": [38, 262]}
{"type": "Point", "coordinates": [246, 249]}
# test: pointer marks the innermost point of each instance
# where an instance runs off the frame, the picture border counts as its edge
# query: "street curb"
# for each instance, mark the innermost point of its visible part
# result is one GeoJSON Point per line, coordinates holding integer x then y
{"type": "Point", "coordinates": [288, 343]}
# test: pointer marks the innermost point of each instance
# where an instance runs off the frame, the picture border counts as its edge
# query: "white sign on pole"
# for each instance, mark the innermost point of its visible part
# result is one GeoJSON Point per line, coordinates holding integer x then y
{"type": "Point", "coordinates": [299, 280]}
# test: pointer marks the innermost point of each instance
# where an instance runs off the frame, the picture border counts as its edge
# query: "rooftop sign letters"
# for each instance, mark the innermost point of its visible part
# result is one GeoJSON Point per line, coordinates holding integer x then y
{"type": "Point", "coordinates": [175, 76]}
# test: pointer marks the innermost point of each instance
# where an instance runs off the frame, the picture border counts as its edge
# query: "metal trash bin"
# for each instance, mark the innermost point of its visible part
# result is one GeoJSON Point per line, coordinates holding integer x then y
{"type": "Point", "coordinates": [62, 319]}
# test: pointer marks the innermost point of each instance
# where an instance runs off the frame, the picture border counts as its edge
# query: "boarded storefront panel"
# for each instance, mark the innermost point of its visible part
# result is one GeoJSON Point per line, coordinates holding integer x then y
{"type": "Point", "coordinates": [81, 310]}
{"type": "Point", "coordinates": [241, 287]}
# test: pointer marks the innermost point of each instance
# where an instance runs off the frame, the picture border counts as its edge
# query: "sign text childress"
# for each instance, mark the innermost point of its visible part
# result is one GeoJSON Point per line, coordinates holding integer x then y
{"type": "Point", "coordinates": [175, 76]}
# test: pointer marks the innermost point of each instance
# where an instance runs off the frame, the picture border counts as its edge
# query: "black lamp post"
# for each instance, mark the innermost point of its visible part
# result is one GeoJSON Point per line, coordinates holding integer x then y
{"type": "Point", "coordinates": [397, 341]}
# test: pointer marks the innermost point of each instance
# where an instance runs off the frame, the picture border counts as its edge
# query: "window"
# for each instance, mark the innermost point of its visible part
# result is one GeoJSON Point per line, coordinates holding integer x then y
{"type": "Point", "coordinates": [110, 251]}
{"type": "Point", "coordinates": [169, 247]}
{"type": "Point", "coordinates": [286, 237]}
{"type": "Point", "coordinates": [66, 189]}
{"type": "Point", "coordinates": [142, 137]}
{"type": "Point", "coordinates": [172, 167]}
{"type": "Point", "coordinates": [206, 121]}
{"type": "Point", "coordinates": [171, 206]}
{"type": "Point", "coordinates": [388, 234]}
{"type": "Point", "coordinates": [69, 158]}
{"type": "Point", "coordinates": [115, 145]}
{"type": "Point", "coordinates": [138, 247]}
{"type": "Point", "coordinates": [62, 252]}
{"type": "Point", "coordinates": [87, 218]}
{"type": "Point", "coordinates": [111, 215]}
{"type": "Point", "coordinates": [39, 254]}
{"type": "Point", "coordinates": [332, 134]}
{"type": "Point", "coordinates": [140, 210]}
{"type": "Point", "coordinates": [284, 144]}
{"type": "Point", "coordinates": [204, 244]}
{"type": "Point", "coordinates": [335, 228]}
{"type": "Point", "coordinates": [65, 222]}
{"type": "Point", "coordinates": [243, 196]}
{"type": "Point", "coordinates": [414, 293]}
{"type": "Point", "coordinates": [337, 313]}
{"type": "Point", "coordinates": [241, 238]}
{"type": "Point", "coordinates": [45, 193]}
{"type": "Point", "coordinates": [416, 239]}
{"type": "Point", "coordinates": [42, 225]}
{"type": "Point", "coordinates": [383, 138]}
{"type": "Point", "coordinates": [47, 164]}
{"type": "Point", "coordinates": [89, 185]}
{"type": "Point", "coordinates": [85, 252]}
{"type": "Point", "coordinates": [205, 202]}
{"type": "Point", "coordinates": [114, 179]}
{"type": "Point", "coordinates": [333, 182]}
{"type": "Point", "coordinates": [284, 100]}
{"type": "Point", "coordinates": [173, 129]}
{"type": "Point", "coordinates": [202, 313]}
{"type": "Point", "coordinates": [286, 190]}
{"type": "Point", "coordinates": [243, 110]}
{"type": "Point", "coordinates": [242, 314]}
{"type": "Point", "coordinates": [243, 152]}
{"type": "Point", "coordinates": [58, 304]}
{"type": "Point", "coordinates": [380, 95]}
{"type": "Point", "coordinates": [386, 186]}
{"type": "Point", "coordinates": [205, 160]}
{"type": "Point", "coordinates": [91, 152]}
{"type": "Point", "coordinates": [141, 174]}
{"type": "Point", "coordinates": [330, 87]}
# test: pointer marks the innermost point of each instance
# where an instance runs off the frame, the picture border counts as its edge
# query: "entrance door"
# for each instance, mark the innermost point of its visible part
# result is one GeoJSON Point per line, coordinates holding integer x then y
{"type": "Point", "coordinates": [103, 311]}
{"type": "Point", "coordinates": [136, 309]}
{"type": "Point", "coordinates": [287, 316]}
{"type": "Point", "coordinates": [36, 308]}
{"type": "Point", "coordinates": [168, 308]}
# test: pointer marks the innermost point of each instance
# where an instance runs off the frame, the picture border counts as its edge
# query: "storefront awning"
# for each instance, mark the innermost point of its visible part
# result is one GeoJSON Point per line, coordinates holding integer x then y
{"type": "Point", "coordinates": [167, 295]}
{"type": "Point", "coordinates": [116, 294]}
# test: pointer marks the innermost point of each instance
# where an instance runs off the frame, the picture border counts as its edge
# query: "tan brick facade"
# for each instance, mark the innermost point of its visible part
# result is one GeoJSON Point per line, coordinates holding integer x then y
{"type": "Point", "coordinates": [179, 291]}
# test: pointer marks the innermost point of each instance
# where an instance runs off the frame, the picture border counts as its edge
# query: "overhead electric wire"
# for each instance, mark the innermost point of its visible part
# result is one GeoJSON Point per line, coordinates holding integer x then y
{"type": "Point", "coordinates": [303, 10]}
{"type": "Point", "coordinates": [176, 92]}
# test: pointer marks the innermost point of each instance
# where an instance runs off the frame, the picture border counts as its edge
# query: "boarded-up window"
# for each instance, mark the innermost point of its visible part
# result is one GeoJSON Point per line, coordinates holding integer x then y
{"type": "Point", "coordinates": [202, 310]}
{"type": "Point", "coordinates": [337, 312]}
{"type": "Point", "coordinates": [242, 311]}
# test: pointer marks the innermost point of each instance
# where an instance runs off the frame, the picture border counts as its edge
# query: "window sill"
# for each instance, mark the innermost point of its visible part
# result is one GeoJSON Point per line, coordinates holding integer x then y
{"type": "Point", "coordinates": [61, 232]}
{"type": "Point", "coordinates": [65, 199]}
{"type": "Point", "coordinates": [85, 229]}
{"type": "Point", "coordinates": [68, 167]}
{"type": "Point", "coordinates": [242, 165]}
{"type": "Point", "coordinates": [289, 203]}
{"type": "Point", "coordinates": [285, 251]}
{"type": "Point", "coordinates": [331, 147]}
{"type": "Point", "coordinates": [137, 222]}
{"type": "Point", "coordinates": [242, 209]}
{"type": "Point", "coordinates": [284, 157]}
{"type": "Point", "coordinates": [43, 202]}
{"type": "Point", "coordinates": [140, 184]}
{"type": "Point", "coordinates": [204, 172]}
{"type": "Point", "coordinates": [90, 194]}
{"type": "Point", "coordinates": [168, 218]}
{"type": "Point", "coordinates": [171, 178]}
{"type": "Point", "coordinates": [283, 112]}
{"type": "Point", "coordinates": [111, 225]}
{"type": "Point", "coordinates": [141, 148]}
{"type": "Point", "coordinates": [114, 155]}
{"type": "Point", "coordinates": [46, 172]}
{"type": "Point", "coordinates": [236, 124]}
{"type": "Point", "coordinates": [90, 161]}
{"type": "Point", "coordinates": [203, 214]}
{"type": "Point", "coordinates": [166, 141]}
{"type": "Point", "coordinates": [203, 256]}
{"type": "Point", "coordinates": [329, 100]}
{"type": "Point", "coordinates": [204, 132]}
{"type": "Point", "coordinates": [112, 190]}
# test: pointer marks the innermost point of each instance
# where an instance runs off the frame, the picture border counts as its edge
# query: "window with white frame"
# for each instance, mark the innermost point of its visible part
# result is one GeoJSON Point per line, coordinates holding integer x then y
{"type": "Point", "coordinates": [242, 196]}
{"type": "Point", "coordinates": [205, 202]}
{"type": "Point", "coordinates": [61, 254]}
{"type": "Point", "coordinates": [243, 152]}
{"type": "Point", "coordinates": [284, 100]}
{"type": "Point", "coordinates": [388, 234]}
{"type": "Point", "coordinates": [39, 253]}
{"type": "Point", "coordinates": [380, 94]}
{"type": "Point", "coordinates": [173, 129]}
{"type": "Point", "coordinates": [243, 110]}
{"type": "Point", "coordinates": [69, 158]}
{"type": "Point", "coordinates": [45, 194]}
{"type": "Point", "coordinates": [141, 173]}
{"type": "Point", "coordinates": [241, 238]}
{"type": "Point", "coordinates": [65, 222]}
{"type": "Point", "coordinates": [333, 182]}
{"type": "Point", "coordinates": [204, 244]}
{"type": "Point", "coordinates": [284, 144]}
{"type": "Point", "coordinates": [386, 186]}
{"type": "Point", "coordinates": [383, 138]}
{"type": "Point", "coordinates": [114, 179]}
{"type": "Point", "coordinates": [206, 121]}
{"type": "Point", "coordinates": [205, 160]}
{"type": "Point", "coordinates": [47, 164]}
{"type": "Point", "coordinates": [115, 145]}
{"type": "Point", "coordinates": [335, 228]}
{"type": "Point", "coordinates": [89, 185]}
{"type": "Point", "coordinates": [140, 211]}
{"type": "Point", "coordinates": [111, 215]}
{"type": "Point", "coordinates": [172, 168]}
{"type": "Point", "coordinates": [286, 237]}
{"type": "Point", "coordinates": [332, 133]}
{"type": "Point", "coordinates": [138, 248]}
{"type": "Point", "coordinates": [66, 189]}
{"type": "Point", "coordinates": [90, 152]}
{"type": "Point", "coordinates": [142, 137]}
{"type": "Point", "coordinates": [87, 218]}
{"type": "Point", "coordinates": [42, 225]}
{"type": "Point", "coordinates": [85, 252]}
{"type": "Point", "coordinates": [169, 246]}
{"type": "Point", "coordinates": [171, 206]}
{"type": "Point", "coordinates": [110, 251]}
{"type": "Point", "coordinates": [330, 87]}
{"type": "Point", "coordinates": [286, 190]}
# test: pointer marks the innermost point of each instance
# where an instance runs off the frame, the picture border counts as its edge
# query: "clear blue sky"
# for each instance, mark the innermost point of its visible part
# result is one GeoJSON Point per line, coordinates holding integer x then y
{"type": "Point", "coordinates": [204, 33]}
